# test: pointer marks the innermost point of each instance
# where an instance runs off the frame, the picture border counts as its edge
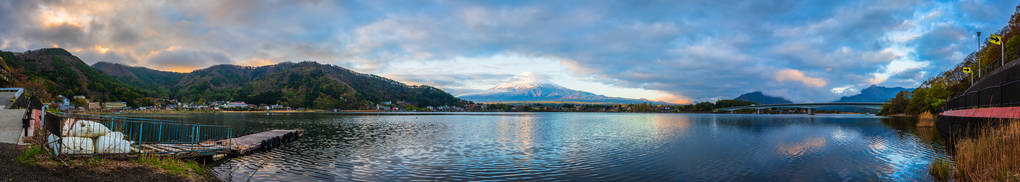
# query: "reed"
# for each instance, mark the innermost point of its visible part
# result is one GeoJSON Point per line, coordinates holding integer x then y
{"type": "Point", "coordinates": [940, 169]}
{"type": "Point", "coordinates": [992, 155]}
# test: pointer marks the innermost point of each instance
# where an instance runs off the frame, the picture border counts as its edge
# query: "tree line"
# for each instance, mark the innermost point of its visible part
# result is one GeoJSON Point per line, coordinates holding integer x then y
{"type": "Point", "coordinates": [933, 94]}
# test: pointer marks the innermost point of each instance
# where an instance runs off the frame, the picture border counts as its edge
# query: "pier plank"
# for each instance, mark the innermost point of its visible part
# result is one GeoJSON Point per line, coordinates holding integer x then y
{"type": "Point", "coordinates": [248, 143]}
{"type": "Point", "coordinates": [239, 145]}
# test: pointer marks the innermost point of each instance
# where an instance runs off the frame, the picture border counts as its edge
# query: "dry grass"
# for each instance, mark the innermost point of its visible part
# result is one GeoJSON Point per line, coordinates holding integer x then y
{"type": "Point", "coordinates": [940, 169]}
{"type": "Point", "coordinates": [993, 155]}
{"type": "Point", "coordinates": [926, 119]}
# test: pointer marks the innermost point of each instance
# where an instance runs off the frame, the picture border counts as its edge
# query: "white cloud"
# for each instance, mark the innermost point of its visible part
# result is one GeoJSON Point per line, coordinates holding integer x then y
{"type": "Point", "coordinates": [844, 90]}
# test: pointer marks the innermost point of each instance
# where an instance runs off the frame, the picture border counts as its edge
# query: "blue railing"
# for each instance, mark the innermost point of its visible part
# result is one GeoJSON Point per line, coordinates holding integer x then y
{"type": "Point", "coordinates": [142, 135]}
{"type": "Point", "coordinates": [17, 91]}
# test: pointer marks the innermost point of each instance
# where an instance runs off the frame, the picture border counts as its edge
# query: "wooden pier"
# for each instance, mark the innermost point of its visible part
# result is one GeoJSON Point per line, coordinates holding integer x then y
{"type": "Point", "coordinates": [154, 137]}
{"type": "Point", "coordinates": [237, 146]}
{"type": "Point", "coordinates": [264, 140]}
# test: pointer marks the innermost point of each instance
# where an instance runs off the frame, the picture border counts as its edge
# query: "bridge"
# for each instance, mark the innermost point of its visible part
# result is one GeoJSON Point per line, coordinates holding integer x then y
{"type": "Point", "coordinates": [809, 106]}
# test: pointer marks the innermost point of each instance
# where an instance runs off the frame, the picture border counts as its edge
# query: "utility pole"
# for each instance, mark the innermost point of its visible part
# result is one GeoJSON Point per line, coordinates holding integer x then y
{"type": "Point", "coordinates": [977, 55]}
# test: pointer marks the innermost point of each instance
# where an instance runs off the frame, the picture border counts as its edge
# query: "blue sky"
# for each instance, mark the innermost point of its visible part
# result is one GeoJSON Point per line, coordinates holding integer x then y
{"type": "Point", "coordinates": [677, 51]}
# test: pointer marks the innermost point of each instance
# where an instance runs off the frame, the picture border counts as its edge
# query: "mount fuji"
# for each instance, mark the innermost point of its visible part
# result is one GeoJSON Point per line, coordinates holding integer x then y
{"type": "Point", "coordinates": [539, 92]}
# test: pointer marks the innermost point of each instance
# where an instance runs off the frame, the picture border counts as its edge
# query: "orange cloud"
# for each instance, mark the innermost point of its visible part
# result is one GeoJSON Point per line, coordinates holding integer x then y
{"type": "Point", "coordinates": [179, 69]}
{"type": "Point", "coordinates": [257, 62]}
{"type": "Point", "coordinates": [52, 17]}
{"type": "Point", "coordinates": [100, 49]}
{"type": "Point", "coordinates": [795, 75]}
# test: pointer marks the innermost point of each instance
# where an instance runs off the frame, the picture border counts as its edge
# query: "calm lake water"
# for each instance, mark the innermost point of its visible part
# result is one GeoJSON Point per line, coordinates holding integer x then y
{"type": "Point", "coordinates": [583, 147]}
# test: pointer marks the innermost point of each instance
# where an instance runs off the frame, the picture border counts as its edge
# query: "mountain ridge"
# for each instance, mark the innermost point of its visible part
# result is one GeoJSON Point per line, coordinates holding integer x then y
{"type": "Point", "coordinates": [140, 76]}
{"type": "Point", "coordinates": [49, 72]}
{"type": "Point", "coordinates": [303, 84]}
{"type": "Point", "coordinates": [760, 98]}
{"type": "Point", "coordinates": [874, 93]}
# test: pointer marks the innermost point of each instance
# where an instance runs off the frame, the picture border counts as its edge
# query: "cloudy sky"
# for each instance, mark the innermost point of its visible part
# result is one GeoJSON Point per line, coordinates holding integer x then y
{"type": "Point", "coordinates": [676, 51]}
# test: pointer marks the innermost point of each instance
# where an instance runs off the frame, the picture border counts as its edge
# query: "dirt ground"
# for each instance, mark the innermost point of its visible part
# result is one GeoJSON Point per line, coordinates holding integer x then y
{"type": "Point", "coordinates": [80, 170]}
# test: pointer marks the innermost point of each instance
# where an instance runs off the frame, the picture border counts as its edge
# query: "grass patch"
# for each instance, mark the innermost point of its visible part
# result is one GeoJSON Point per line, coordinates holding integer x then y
{"type": "Point", "coordinates": [94, 161]}
{"type": "Point", "coordinates": [171, 165]}
{"type": "Point", "coordinates": [28, 156]}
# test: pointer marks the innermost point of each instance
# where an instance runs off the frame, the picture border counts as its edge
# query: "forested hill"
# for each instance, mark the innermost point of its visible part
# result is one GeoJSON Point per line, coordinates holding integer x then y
{"type": "Point", "coordinates": [158, 81]}
{"type": "Point", "coordinates": [874, 93]}
{"type": "Point", "coordinates": [53, 71]}
{"type": "Point", "coordinates": [50, 72]}
{"type": "Point", "coordinates": [305, 84]}
{"type": "Point", "coordinates": [760, 98]}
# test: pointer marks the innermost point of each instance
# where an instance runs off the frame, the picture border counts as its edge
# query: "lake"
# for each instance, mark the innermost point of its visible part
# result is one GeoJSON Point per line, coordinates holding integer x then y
{"type": "Point", "coordinates": [581, 147]}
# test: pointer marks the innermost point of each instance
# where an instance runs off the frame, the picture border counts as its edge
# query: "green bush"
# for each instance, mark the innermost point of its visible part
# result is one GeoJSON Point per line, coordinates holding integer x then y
{"type": "Point", "coordinates": [28, 156]}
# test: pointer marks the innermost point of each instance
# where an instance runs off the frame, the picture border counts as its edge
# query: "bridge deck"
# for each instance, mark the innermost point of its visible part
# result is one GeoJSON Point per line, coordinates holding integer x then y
{"type": "Point", "coordinates": [809, 105]}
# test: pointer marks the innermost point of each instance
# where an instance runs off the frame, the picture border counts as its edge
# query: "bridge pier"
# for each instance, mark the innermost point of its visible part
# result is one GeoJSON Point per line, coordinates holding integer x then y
{"type": "Point", "coordinates": [733, 111]}
{"type": "Point", "coordinates": [811, 111]}
{"type": "Point", "coordinates": [758, 111]}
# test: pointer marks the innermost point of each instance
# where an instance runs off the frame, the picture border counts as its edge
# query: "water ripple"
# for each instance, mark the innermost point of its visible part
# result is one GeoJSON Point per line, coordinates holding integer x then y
{"type": "Point", "coordinates": [585, 147]}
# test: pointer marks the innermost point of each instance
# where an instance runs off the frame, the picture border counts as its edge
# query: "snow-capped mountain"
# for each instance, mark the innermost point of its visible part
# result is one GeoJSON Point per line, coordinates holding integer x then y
{"type": "Point", "coordinates": [538, 92]}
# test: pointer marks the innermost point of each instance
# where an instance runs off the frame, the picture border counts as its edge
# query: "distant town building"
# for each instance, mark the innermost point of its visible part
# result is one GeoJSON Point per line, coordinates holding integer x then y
{"type": "Point", "coordinates": [65, 104]}
{"type": "Point", "coordinates": [276, 106]}
{"type": "Point", "coordinates": [114, 105]}
{"type": "Point", "coordinates": [94, 106]}
{"type": "Point", "coordinates": [235, 105]}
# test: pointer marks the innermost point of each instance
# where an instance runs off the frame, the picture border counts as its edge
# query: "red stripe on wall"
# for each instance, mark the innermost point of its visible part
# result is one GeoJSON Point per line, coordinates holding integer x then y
{"type": "Point", "coordinates": [997, 112]}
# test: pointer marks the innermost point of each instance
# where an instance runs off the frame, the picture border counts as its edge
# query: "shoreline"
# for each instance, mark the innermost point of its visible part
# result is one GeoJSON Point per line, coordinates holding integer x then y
{"type": "Point", "coordinates": [20, 163]}
{"type": "Point", "coordinates": [420, 112]}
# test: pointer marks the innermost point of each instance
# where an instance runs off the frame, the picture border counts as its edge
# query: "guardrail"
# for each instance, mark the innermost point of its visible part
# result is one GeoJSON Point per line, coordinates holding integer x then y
{"type": "Point", "coordinates": [1000, 88]}
{"type": "Point", "coordinates": [17, 91]}
{"type": "Point", "coordinates": [86, 134]}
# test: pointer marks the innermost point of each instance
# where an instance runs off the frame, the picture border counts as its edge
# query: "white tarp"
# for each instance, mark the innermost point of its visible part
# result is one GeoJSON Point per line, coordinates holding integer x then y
{"type": "Point", "coordinates": [112, 144]}
{"type": "Point", "coordinates": [88, 129]}
{"type": "Point", "coordinates": [77, 145]}
{"type": "Point", "coordinates": [115, 134]}
{"type": "Point", "coordinates": [54, 144]}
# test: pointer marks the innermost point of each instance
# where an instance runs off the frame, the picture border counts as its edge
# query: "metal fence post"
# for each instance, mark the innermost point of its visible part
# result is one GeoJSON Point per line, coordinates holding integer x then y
{"type": "Point", "coordinates": [193, 130]}
{"type": "Point", "coordinates": [230, 139]}
{"type": "Point", "coordinates": [139, 137]}
{"type": "Point", "coordinates": [160, 138]}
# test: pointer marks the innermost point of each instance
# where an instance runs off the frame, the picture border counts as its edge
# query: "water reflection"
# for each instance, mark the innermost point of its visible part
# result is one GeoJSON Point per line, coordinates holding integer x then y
{"type": "Point", "coordinates": [799, 148]}
{"type": "Point", "coordinates": [585, 147]}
